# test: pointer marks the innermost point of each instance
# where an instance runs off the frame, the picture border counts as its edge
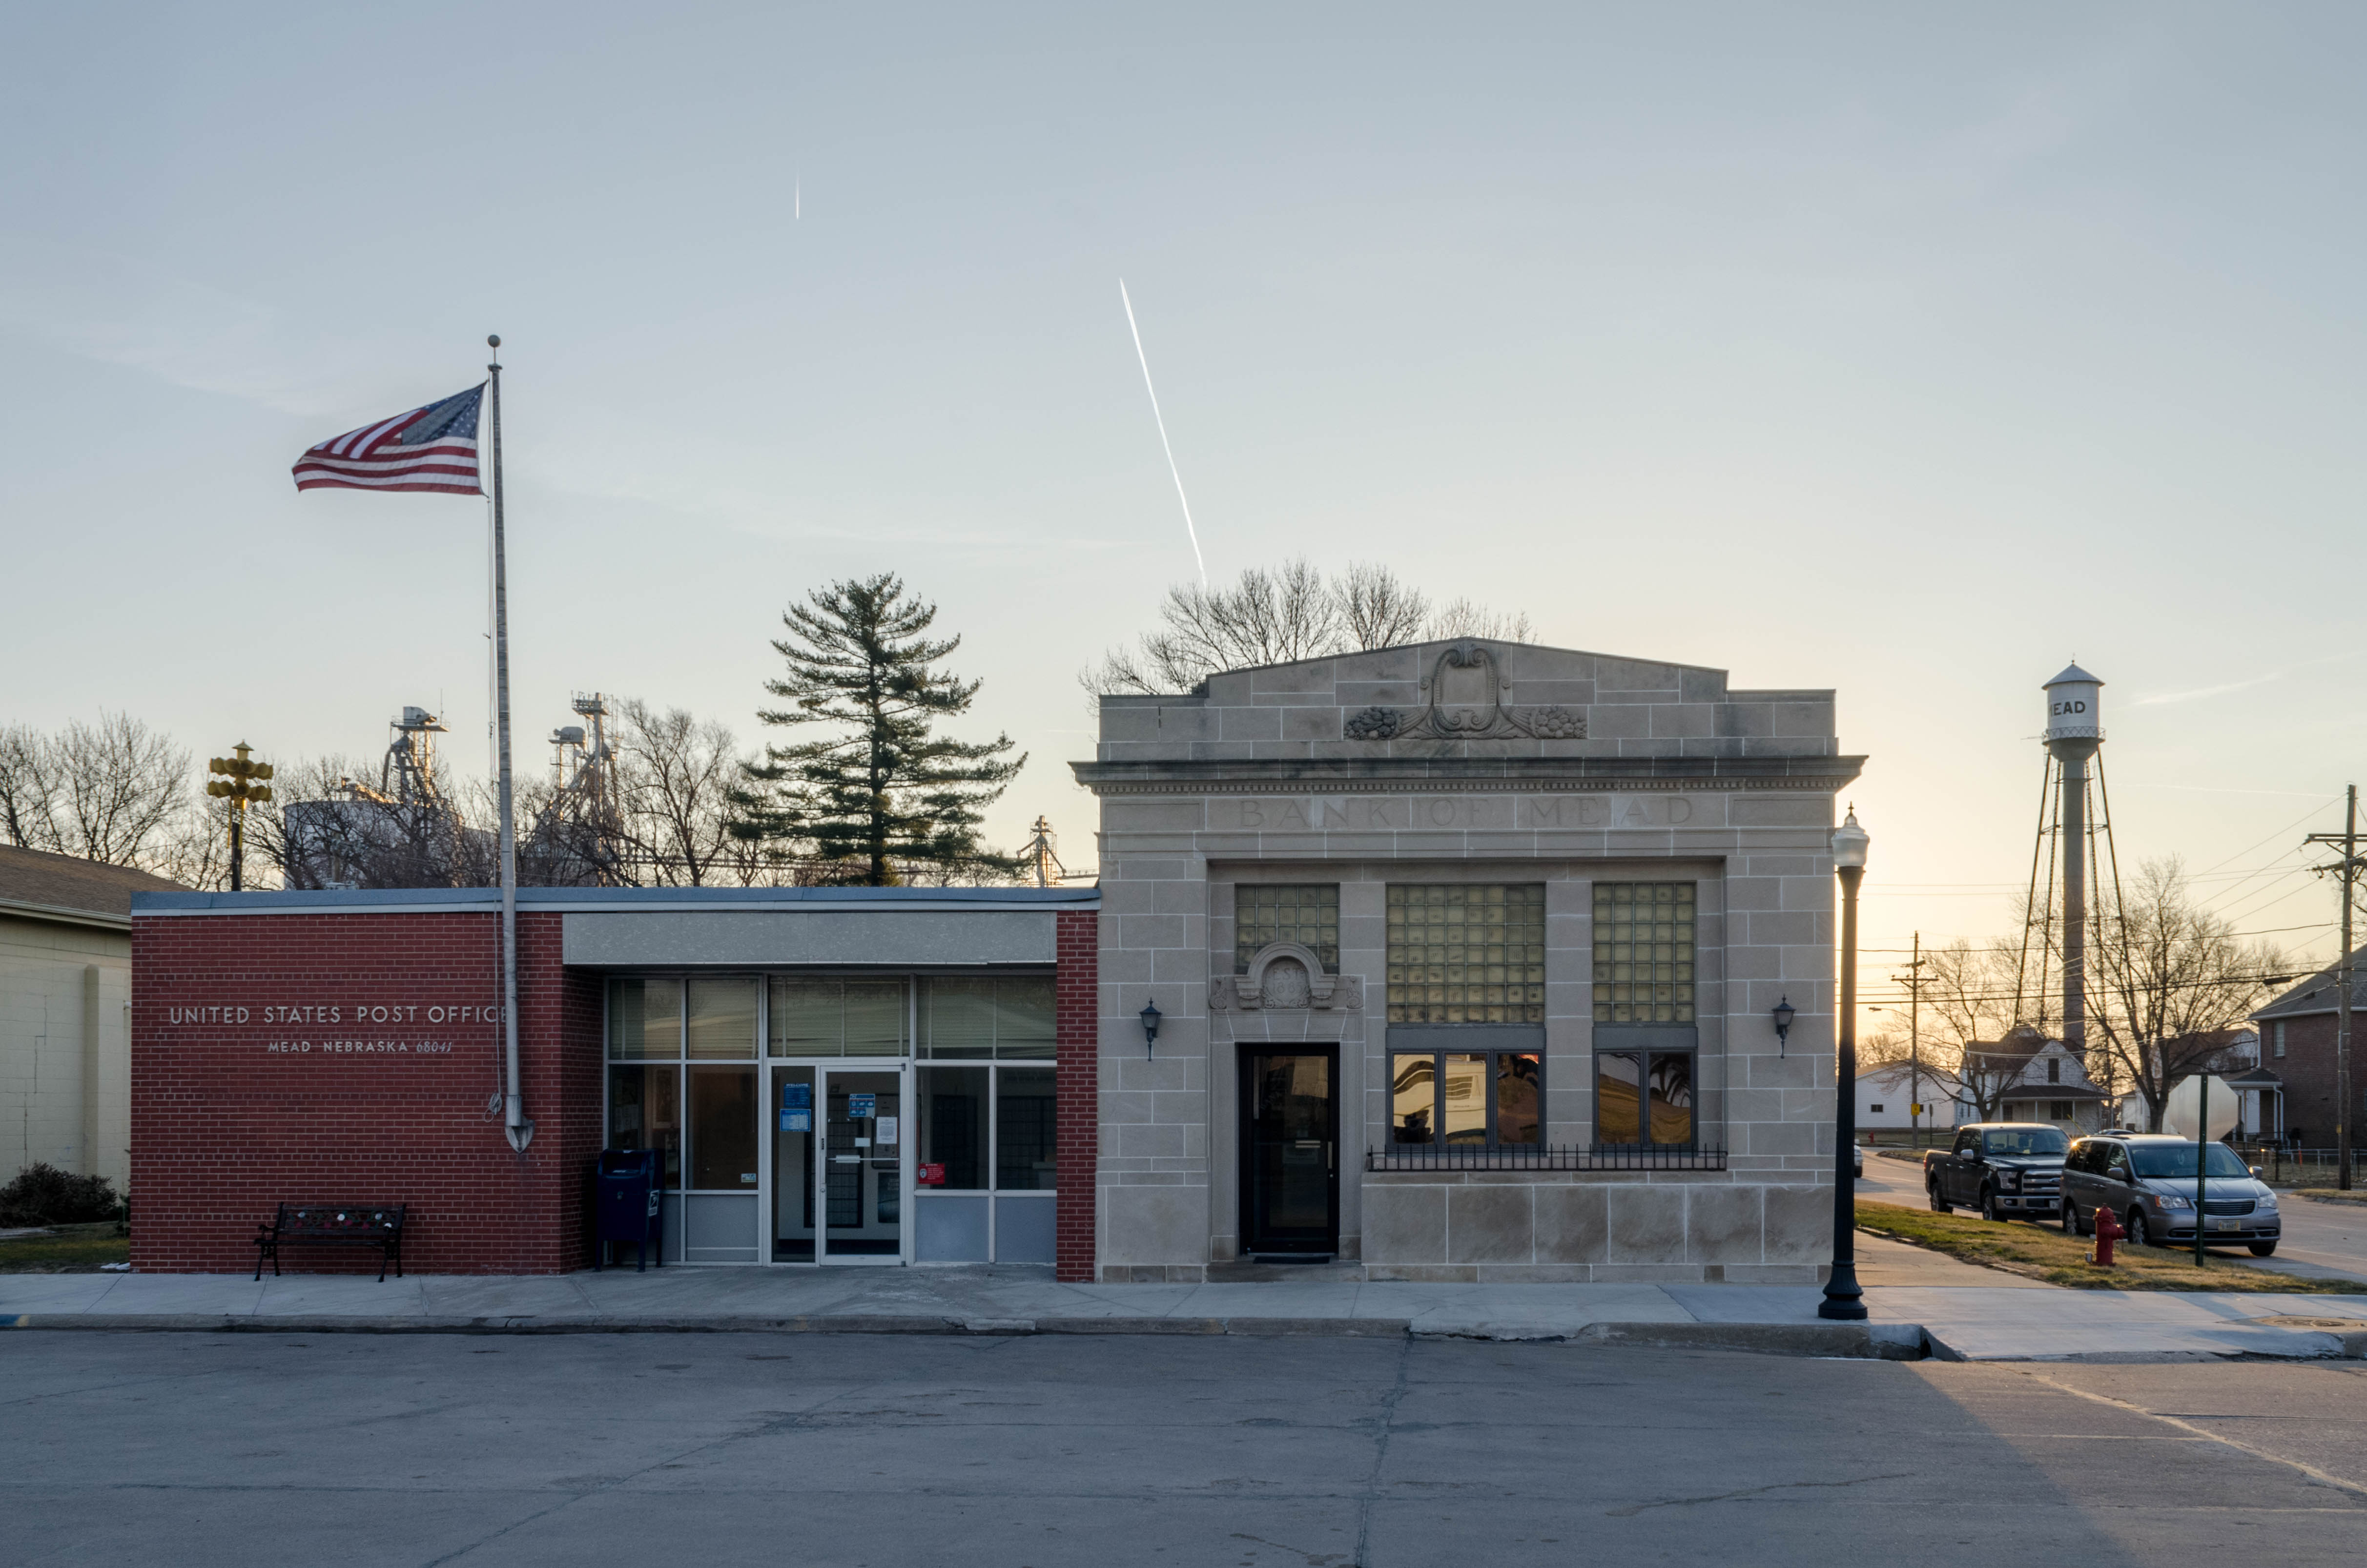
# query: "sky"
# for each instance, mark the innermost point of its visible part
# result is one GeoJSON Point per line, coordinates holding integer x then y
{"type": "Point", "coordinates": [1907, 353]}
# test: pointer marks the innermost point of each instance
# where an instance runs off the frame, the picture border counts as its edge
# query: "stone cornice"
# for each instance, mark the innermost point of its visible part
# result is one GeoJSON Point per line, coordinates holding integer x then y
{"type": "Point", "coordinates": [1407, 775]}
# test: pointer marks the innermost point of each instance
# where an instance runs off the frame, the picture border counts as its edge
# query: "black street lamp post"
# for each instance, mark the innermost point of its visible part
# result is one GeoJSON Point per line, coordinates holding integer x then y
{"type": "Point", "coordinates": [1842, 1297]}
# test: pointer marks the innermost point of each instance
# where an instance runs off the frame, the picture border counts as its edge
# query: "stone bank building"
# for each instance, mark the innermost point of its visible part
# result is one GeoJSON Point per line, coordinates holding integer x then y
{"type": "Point", "coordinates": [1452, 961]}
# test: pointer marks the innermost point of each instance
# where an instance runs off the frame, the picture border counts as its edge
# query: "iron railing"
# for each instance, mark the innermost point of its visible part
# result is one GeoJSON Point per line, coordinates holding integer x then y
{"type": "Point", "coordinates": [1545, 1157]}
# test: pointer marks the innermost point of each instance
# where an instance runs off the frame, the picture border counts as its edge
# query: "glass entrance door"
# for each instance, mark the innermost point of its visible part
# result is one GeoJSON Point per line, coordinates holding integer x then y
{"type": "Point", "coordinates": [861, 1185]}
{"type": "Point", "coordinates": [1290, 1141]}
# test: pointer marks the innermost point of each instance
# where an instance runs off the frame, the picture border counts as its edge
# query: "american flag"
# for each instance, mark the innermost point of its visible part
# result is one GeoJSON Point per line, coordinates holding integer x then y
{"type": "Point", "coordinates": [433, 447]}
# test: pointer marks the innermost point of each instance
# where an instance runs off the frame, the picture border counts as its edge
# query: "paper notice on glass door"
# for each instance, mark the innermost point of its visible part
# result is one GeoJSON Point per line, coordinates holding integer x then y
{"type": "Point", "coordinates": [886, 1126]}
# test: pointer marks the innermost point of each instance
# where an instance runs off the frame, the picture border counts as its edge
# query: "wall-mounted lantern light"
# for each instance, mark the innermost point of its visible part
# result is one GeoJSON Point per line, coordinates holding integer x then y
{"type": "Point", "coordinates": [1784, 1012]}
{"type": "Point", "coordinates": [1150, 1026]}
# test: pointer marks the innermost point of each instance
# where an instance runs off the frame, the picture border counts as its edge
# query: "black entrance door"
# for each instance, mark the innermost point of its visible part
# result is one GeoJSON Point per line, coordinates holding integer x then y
{"type": "Point", "coordinates": [1290, 1152]}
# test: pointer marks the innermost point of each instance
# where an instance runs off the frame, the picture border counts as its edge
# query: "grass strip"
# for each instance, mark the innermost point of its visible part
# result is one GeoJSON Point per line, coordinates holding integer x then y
{"type": "Point", "coordinates": [2044, 1253]}
{"type": "Point", "coordinates": [61, 1254]}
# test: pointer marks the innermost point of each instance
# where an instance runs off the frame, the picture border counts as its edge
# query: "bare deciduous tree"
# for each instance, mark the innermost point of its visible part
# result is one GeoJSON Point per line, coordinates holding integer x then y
{"type": "Point", "coordinates": [1965, 993]}
{"type": "Point", "coordinates": [675, 776]}
{"type": "Point", "coordinates": [2166, 980]}
{"type": "Point", "coordinates": [1274, 617]}
{"type": "Point", "coordinates": [1378, 609]}
{"type": "Point", "coordinates": [1465, 619]}
{"type": "Point", "coordinates": [110, 792]}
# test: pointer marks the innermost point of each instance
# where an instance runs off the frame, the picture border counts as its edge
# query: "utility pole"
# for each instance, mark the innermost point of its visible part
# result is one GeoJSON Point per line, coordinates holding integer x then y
{"type": "Point", "coordinates": [2346, 868]}
{"type": "Point", "coordinates": [1915, 1037]}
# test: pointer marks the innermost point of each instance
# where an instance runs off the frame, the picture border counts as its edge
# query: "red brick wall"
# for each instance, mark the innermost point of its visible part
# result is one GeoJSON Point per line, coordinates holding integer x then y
{"type": "Point", "coordinates": [223, 1128]}
{"type": "Point", "coordinates": [1079, 949]}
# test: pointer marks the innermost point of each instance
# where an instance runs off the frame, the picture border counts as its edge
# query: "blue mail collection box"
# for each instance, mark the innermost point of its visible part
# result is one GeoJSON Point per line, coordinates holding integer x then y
{"type": "Point", "coordinates": [629, 1203]}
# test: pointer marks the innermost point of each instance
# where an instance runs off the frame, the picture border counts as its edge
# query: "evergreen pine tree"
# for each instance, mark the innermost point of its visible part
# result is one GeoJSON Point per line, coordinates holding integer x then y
{"type": "Point", "coordinates": [878, 792]}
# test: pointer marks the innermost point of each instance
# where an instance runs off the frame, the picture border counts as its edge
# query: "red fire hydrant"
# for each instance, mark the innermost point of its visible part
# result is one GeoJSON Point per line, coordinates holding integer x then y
{"type": "Point", "coordinates": [2108, 1230]}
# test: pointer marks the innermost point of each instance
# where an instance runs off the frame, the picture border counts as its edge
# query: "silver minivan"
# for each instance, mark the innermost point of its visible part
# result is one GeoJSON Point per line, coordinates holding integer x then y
{"type": "Point", "coordinates": [2147, 1178]}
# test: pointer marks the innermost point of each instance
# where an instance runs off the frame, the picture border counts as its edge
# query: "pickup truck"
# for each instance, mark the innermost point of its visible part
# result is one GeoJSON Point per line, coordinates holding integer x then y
{"type": "Point", "coordinates": [2008, 1170]}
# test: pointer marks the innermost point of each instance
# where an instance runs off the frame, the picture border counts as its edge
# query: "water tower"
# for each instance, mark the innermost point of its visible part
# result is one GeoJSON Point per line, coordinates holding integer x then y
{"type": "Point", "coordinates": [2072, 857]}
{"type": "Point", "coordinates": [2074, 734]}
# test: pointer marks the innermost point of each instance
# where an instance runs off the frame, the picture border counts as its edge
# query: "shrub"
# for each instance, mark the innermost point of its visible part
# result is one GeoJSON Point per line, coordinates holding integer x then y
{"type": "Point", "coordinates": [44, 1195]}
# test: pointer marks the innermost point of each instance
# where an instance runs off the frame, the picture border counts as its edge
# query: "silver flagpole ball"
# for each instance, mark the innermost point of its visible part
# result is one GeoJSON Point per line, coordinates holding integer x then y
{"type": "Point", "coordinates": [493, 340]}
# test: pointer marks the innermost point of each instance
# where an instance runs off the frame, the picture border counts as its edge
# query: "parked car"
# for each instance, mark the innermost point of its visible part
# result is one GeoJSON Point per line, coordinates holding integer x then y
{"type": "Point", "coordinates": [2147, 1178]}
{"type": "Point", "coordinates": [2008, 1170]}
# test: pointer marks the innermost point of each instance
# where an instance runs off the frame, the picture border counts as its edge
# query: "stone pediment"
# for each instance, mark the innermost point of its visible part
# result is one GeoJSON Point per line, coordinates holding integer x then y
{"type": "Point", "coordinates": [1468, 700]}
{"type": "Point", "coordinates": [1466, 689]}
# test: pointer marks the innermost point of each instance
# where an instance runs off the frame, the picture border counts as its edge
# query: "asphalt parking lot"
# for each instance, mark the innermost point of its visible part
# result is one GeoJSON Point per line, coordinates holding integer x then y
{"type": "Point", "coordinates": [251, 1449]}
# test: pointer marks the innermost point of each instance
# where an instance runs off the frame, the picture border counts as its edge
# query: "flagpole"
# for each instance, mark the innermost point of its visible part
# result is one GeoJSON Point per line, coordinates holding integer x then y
{"type": "Point", "coordinates": [514, 1126]}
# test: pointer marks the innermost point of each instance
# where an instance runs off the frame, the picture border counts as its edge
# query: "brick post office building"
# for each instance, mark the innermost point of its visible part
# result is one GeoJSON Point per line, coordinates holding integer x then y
{"type": "Point", "coordinates": [790, 1051]}
{"type": "Point", "coordinates": [1455, 961]}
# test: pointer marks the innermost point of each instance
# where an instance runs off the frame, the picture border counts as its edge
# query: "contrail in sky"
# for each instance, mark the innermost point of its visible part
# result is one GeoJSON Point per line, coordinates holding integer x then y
{"type": "Point", "coordinates": [1162, 421]}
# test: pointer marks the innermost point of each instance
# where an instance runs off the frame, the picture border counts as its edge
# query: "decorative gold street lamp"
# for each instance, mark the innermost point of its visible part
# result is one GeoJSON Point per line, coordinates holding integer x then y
{"type": "Point", "coordinates": [242, 784]}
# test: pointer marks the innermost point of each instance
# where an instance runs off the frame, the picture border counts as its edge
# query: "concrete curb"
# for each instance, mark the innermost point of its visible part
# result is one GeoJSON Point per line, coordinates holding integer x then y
{"type": "Point", "coordinates": [2304, 1346]}
{"type": "Point", "coordinates": [1857, 1341]}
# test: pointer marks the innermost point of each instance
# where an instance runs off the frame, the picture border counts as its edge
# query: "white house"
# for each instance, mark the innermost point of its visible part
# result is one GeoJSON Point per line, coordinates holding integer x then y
{"type": "Point", "coordinates": [1886, 1096]}
{"type": "Point", "coordinates": [2031, 1078]}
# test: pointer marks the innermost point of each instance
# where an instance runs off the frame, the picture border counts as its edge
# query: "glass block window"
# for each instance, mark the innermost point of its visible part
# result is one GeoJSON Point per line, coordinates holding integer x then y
{"type": "Point", "coordinates": [1643, 952]}
{"type": "Point", "coordinates": [1309, 916]}
{"type": "Point", "coordinates": [1467, 953]}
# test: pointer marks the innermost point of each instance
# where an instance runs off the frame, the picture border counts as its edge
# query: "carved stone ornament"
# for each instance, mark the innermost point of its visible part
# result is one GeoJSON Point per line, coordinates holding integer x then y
{"type": "Point", "coordinates": [1465, 690]}
{"type": "Point", "coordinates": [1284, 976]}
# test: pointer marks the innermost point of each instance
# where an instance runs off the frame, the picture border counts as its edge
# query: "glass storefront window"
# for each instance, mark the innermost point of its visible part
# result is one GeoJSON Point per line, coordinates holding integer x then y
{"type": "Point", "coordinates": [723, 1129]}
{"type": "Point", "coordinates": [1492, 1097]}
{"type": "Point", "coordinates": [958, 1018]}
{"type": "Point", "coordinates": [1644, 1098]}
{"type": "Point", "coordinates": [1413, 1100]}
{"type": "Point", "coordinates": [1518, 1097]}
{"type": "Point", "coordinates": [722, 1017]}
{"type": "Point", "coordinates": [875, 1018]}
{"type": "Point", "coordinates": [1027, 1130]}
{"type": "Point", "coordinates": [1024, 1018]}
{"type": "Point", "coordinates": [960, 1103]}
{"type": "Point", "coordinates": [645, 1112]}
{"type": "Point", "coordinates": [953, 1126]}
{"type": "Point", "coordinates": [644, 1019]}
{"type": "Point", "coordinates": [1464, 1079]}
{"type": "Point", "coordinates": [837, 1018]}
{"type": "Point", "coordinates": [1008, 1018]}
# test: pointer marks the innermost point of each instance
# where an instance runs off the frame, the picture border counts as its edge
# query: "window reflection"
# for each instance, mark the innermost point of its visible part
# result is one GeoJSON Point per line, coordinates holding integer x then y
{"type": "Point", "coordinates": [1517, 1098]}
{"type": "Point", "coordinates": [1644, 1098]}
{"type": "Point", "coordinates": [1413, 1099]}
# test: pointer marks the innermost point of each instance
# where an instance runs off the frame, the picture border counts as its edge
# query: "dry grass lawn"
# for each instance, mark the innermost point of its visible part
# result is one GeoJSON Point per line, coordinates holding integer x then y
{"type": "Point", "coordinates": [2045, 1253]}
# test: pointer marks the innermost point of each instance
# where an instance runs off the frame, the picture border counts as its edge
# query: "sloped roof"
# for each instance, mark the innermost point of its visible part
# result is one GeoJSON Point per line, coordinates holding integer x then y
{"type": "Point", "coordinates": [2316, 993]}
{"type": "Point", "coordinates": [2020, 1045]}
{"type": "Point", "coordinates": [34, 882]}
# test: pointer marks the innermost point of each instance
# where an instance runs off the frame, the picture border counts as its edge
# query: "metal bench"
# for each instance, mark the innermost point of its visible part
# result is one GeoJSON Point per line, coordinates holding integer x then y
{"type": "Point", "coordinates": [353, 1224]}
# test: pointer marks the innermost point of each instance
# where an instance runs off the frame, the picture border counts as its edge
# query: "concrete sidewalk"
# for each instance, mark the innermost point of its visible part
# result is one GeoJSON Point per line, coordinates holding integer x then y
{"type": "Point", "coordinates": [1958, 1321]}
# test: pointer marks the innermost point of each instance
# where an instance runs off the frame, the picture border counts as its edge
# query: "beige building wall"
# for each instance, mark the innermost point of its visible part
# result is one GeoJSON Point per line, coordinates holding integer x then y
{"type": "Point", "coordinates": [1471, 763]}
{"type": "Point", "coordinates": [65, 1048]}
